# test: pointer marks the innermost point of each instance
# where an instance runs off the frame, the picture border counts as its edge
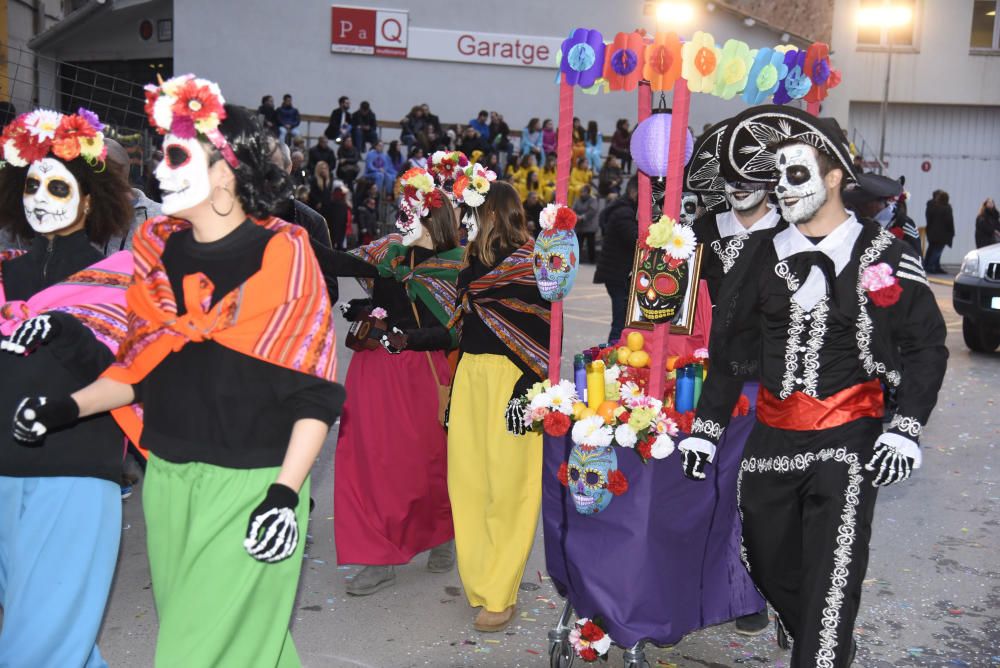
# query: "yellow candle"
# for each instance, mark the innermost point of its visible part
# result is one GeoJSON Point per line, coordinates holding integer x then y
{"type": "Point", "coordinates": [595, 384]}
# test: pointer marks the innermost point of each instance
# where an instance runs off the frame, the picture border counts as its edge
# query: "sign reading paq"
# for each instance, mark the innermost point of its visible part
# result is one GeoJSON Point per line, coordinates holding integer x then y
{"type": "Point", "coordinates": [368, 31]}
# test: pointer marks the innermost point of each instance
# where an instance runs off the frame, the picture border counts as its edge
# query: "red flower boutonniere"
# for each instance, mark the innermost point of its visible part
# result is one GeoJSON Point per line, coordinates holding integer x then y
{"type": "Point", "coordinates": [883, 288]}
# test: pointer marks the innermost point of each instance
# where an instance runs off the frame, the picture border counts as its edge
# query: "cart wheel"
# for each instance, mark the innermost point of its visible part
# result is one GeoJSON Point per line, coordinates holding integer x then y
{"type": "Point", "coordinates": [561, 654]}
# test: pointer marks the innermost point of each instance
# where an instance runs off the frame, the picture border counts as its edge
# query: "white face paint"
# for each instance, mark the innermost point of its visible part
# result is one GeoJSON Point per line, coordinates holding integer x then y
{"type": "Point", "coordinates": [51, 196]}
{"type": "Point", "coordinates": [412, 234]}
{"type": "Point", "coordinates": [471, 225]}
{"type": "Point", "coordinates": [689, 208]}
{"type": "Point", "coordinates": [183, 174]}
{"type": "Point", "coordinates": [744, 198]}
{"type": "Point", "coordinates": [801, 191]}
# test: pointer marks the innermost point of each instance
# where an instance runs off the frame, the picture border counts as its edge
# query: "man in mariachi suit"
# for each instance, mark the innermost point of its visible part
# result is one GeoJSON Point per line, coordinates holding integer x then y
{"type": "Point", "coordinates": [838, 307]}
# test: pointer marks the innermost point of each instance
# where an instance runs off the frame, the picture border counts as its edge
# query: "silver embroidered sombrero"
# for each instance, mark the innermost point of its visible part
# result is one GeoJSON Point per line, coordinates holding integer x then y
{"type": "Point", "coordinates": [749, 141]}
{"type": "Point", "coordinates": [703, 170]}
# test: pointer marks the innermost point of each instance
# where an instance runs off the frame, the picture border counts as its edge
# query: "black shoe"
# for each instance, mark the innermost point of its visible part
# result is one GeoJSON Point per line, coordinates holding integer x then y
{"type": "Point", "coordinates": [781, 635]}
{"type": "Point", "coordinates": [752, 625]}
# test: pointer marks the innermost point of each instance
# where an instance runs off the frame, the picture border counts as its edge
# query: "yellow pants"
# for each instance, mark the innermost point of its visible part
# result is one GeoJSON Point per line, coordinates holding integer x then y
{"type": "Point", "coordinates": [494, 482]}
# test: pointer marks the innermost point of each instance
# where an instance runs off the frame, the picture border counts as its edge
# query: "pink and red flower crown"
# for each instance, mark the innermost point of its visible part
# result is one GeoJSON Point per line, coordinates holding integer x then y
{"type": "Point", "coordinates": [31, 137]}
{"type": "Point", "coordinates": [187, 106]}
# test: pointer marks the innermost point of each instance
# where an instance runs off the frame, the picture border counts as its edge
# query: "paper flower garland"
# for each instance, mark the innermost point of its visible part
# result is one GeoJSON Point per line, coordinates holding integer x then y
{"type": "Point", "coordinates": [582, 58]}
{"type": "Point", "coordinates": [733, 68]}
{"type": "Point", "coordinates": [766, 73]}
{"type": "Point", "coordinates": [624, 58]}
{"type": "Point", "coordinates": [817, 68]}
{"type": "Point", "coordinates": [663, 61]}
{"type": "Point", "coordinates": [30, 137]}
{"type": "Point", "coordinates": [796, 83]}
{"type": "Point", "coordinates": [700, 59]}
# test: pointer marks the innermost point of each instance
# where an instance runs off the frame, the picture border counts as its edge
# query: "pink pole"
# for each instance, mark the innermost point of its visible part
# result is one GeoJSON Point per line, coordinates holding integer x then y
{"type": "Point", "coordinates": [813, 108]}
{"type": "Point", "coordinates": [564, 153]}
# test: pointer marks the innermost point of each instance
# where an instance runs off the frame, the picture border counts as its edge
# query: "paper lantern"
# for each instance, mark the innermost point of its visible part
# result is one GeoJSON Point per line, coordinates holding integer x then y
{"type": "Point", "coordinates": [651, 144]}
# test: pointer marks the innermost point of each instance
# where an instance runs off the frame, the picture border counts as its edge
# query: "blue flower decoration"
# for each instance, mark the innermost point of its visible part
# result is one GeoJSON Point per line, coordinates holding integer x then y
{"type": "Point", "coordinates": [796, 83]}
{"type": "Point", "coordinates": [766, 73]}
{"type": "Point", "coordinates": [583, 57]}
{"type": "Point", "coordinates": [624, 61]}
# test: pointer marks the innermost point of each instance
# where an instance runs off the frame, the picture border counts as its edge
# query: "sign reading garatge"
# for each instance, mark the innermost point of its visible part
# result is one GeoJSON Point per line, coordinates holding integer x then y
{"type": "Point", "coordinates": [471, 46]}
{"type": "Point", "coordinates": [368, 31]}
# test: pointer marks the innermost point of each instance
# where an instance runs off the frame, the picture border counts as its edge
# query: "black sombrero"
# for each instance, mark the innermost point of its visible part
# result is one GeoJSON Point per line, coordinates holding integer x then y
{"type": "Point", "coordinates": [748, 145]}
{"type": "Point", "coordinates": [703, 174]}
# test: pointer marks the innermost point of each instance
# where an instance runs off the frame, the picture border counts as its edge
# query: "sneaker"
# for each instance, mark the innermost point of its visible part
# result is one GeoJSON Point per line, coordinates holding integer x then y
{"type": "Point", "coordinates": [126, 491]}
{"type": "Point", "coordinates": [371, 579]}
{"type": "Point", "coordinates": [491, 622]}
{"type": "Point", "coordinates": [442, 558]}
{"type": "Point", "coordinates": [753, 625]}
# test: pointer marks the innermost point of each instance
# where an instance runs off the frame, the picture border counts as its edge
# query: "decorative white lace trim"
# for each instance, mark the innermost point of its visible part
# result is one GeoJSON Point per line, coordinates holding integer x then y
{"type": "Point", "coordinates": [783, 271]}
{"type": "Point", "coordinates": [906, 425]}
{"type": "Point", "coordinates": [709, 428]}
{"type": "Point", "coordinates": [795, 331]}
{"type": "Point", "coordinates": [826, 654]}
{"type": "Point", "coordinates": [865, 326]}
{"type": "Point", "coordinates": [810, 359]}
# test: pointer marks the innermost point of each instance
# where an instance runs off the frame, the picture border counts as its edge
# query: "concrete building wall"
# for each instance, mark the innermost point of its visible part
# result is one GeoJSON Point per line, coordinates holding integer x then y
{"type": "Point", "coordinates": [258, 47]}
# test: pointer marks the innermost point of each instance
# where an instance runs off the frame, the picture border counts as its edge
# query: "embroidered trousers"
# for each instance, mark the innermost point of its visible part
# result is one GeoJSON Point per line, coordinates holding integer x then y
{"type": "Point", "coordinates": [807, 506]}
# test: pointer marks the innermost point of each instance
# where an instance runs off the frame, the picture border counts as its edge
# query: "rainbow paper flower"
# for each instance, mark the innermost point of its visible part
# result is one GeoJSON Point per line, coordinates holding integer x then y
{"type": "Point", "coordinates": [733, 69]}
{"type": "Point", "coordinates": [699, 62]}
{"type": "Point", "coordinates": [766, 73]}
{"type": "Point", "coordinates": [663, 61]}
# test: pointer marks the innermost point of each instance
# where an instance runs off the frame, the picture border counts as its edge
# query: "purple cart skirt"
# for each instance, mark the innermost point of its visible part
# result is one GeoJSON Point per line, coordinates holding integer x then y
{"type": "Point", "coordinates": [664, 558]}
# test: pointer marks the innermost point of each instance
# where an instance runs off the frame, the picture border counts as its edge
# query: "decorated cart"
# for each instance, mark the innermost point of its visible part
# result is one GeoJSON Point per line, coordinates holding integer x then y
{"type": "Point", "coordinates": [640, 553]}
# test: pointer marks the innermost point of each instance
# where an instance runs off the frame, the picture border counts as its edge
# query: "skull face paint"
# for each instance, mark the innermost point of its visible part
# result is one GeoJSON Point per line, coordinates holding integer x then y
{"type": "Point", "coordinates": [471, 223]}
{"type": "Point", "coordinates": [412, 233]}
{"type": "Point", "coordinates": [555, 261]}
{"type": "Point", "coordinates": [183, 174]}
{"type": "Point", "coordinates": [745, 196]}
{"type": "Point", "coordinates": [51, 196]}
{"type": "Point", "coordinates": [801, 190]}
{"type": "Point", "coordinates": [587, 477]}
{"type": "Point", "coordinates": [689, 208]}
{"type": "Point", "coordinates": [660, 285]}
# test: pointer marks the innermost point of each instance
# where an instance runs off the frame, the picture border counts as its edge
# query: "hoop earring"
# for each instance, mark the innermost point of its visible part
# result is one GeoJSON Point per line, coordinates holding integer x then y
{"type": "Point", "coordinates": [232, 201]}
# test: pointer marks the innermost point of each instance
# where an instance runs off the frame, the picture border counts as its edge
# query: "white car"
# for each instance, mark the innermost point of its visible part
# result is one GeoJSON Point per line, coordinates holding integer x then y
{"type": "Point", "coordinates": [976, 297]}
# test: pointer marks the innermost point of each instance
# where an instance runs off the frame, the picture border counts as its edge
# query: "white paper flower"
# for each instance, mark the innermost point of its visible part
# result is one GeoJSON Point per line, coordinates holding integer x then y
{"type": "Point", "coordinates": [592, 431]}
{"type": "Point", "coordinates": [11, 155]}
{"type": "Point", "coordinates": [630, 393]}
{"type": "Point", "coordinates": [472, 198]}
{"type": "Point", "coordinates": [682, 242]}
{"type": "Point", "coordinates": [542, 401]}
{"type": "Point", "coordinates": [625, 436]}
{"type": "Point", "coordinates": [603, 645]}
{"type": "Point", "coordinates": [562, 397]}
{"type": "Point", "coordinates": [547, 218]}
{"type": "Point", "coordinates": [663, 446]}
{"type": "Point", "coordinates": [163, 112]}
{"type": "Point", "coordinates": [42, 123]}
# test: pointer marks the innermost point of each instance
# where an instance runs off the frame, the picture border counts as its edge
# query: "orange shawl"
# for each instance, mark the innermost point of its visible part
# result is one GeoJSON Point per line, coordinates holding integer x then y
{"type": "Point", "coordinates": [280, 315]}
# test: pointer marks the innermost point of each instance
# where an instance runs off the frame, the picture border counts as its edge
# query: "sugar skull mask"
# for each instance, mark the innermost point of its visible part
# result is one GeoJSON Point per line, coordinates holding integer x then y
{"type": "Point", "coordinates": [183, 174]}
{"type": "Point", "coordinates": [660, 285]}
{"type": "Point", "coordinates": [51, 196]}
{"type": "Point", "coordinates": [745, 196]}
{"type": "Point", "coordinates": [801, 190]}
{"type": "Point", "coordinates": [689, 208]}
{"type": "Point", "coordinates": [587, 477]}
{"type": "Point", "coordinates": [556, 263]}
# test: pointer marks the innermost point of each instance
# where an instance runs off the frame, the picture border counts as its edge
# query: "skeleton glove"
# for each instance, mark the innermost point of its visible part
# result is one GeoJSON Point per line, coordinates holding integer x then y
{"type": "Point", "coordinates": [395, 341]}
{"type": "Point", "coordinates": [353, 310]}
{"type": "Point", "coordinates": [892, 461]}
{"type": "Point", "coordinates": [36, 416]}
{"type": "Point", "coordinates": [695, 456]}
{"type": "Point", "coordinates": [30, 334]}
{"type": "Point", "coordinates": [514, 415]}
{"type": "Point", "coordinates": [273, 533]}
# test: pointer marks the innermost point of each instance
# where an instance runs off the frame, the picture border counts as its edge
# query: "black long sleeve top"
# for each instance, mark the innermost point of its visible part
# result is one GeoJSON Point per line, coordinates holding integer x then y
{"type": "Point", "coordinates": [92, 447]}
{"type": "Point", "coordinates": [841, 340]}
{"type": "Point", "coordinates": [723, 238]}
{"type": "Point", "coordinates": [208, 403]}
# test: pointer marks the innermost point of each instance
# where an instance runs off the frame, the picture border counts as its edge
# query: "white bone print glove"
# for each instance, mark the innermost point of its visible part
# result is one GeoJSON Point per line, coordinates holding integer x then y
{"type": "Point", "coordinates": [273, 532]}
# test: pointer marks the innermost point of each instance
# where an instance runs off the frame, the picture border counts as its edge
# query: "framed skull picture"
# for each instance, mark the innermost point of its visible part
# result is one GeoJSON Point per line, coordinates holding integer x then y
{"type": "Point", "coordinates": [663, 289]}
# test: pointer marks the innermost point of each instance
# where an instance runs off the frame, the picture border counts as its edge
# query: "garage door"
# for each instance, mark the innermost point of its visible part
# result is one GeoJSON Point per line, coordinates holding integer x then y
{"type": "Point", "coordinates": [961, 145]}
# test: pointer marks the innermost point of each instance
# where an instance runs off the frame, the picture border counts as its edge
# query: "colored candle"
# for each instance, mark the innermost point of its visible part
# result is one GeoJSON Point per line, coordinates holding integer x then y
{"type": "Point", "coordinates": [595, 384]}
{"type": "Point", "coordinates": [684, 400]}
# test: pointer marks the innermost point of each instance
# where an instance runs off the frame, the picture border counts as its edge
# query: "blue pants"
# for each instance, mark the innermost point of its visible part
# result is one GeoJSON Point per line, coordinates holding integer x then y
{"type": "Point", "coordinates": [58, 547]}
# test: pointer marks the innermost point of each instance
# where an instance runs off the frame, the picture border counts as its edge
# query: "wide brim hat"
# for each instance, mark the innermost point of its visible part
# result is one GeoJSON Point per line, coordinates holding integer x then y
{"type": "Point", "coordinates": [750, 141]}
{"type": "Point", "coordinates": [703, 174]}
{"type": "Point", "coordinates": [871, 187]}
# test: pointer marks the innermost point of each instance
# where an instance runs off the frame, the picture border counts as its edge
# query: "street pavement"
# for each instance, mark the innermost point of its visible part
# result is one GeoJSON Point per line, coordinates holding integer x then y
{"type": "Point", "coordinates": [931, 597]}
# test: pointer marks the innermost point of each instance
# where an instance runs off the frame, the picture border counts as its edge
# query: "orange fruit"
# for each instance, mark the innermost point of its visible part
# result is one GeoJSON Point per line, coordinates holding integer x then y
{"type": "Point", "coordinates": [635, 341]}
{"type": "Point", "coordinates": [639, 359]}
{"type": "Point", "coordinates": [607, 411]}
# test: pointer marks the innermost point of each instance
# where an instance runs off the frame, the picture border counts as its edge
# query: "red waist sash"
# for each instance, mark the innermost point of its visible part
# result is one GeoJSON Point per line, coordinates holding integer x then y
{"type": "Point", "coordinates": [800, 412]}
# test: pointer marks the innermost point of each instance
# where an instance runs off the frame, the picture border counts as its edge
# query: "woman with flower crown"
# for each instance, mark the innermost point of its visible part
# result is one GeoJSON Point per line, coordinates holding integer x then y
{"type": "Point", "coordinates": [62, 317]}
{"type": "Point", "coordinates": [390, 475]}
{"type": "Point", "coordinates": [493, 463]}
{"type": "Point", "coordinates": [231, 351]}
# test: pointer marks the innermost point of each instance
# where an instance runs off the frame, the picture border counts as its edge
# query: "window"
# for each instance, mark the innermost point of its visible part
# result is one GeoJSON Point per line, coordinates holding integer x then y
{"type": "Point", "coordinates": [876, 36]}
{"type": "Point", "coordinates": [985, 27]}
